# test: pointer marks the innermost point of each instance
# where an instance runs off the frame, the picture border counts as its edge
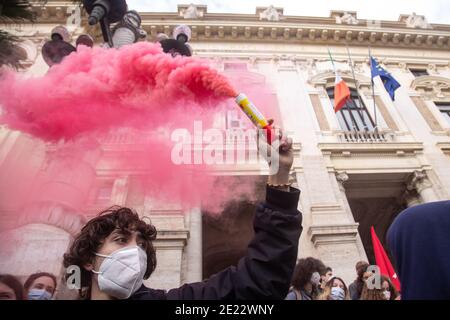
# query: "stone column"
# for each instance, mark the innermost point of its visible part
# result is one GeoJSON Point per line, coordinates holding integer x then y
{"type": "Point", "coordinates": [194, 248]}
{"type": "Point", "coordinates": [331, 229]}
{"type": "Point", "coordinates": [419, 182]}
{"type": "Point", "coordinates": [342, 178]}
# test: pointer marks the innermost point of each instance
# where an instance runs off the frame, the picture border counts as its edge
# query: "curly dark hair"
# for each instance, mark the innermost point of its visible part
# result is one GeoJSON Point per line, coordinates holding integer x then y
{"type": "Point", "coordinates": [34, 276]}
{"type": "Point", "coordinates": [87, 242]}
{"type": "Point", "coordinates": [304, 270]}
{"type": "Point", "coordinates": [14, 284]}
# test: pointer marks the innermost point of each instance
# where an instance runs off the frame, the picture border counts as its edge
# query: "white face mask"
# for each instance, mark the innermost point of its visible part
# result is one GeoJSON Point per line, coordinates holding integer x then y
{"type": "Point", "coordinates": [387, 294]}
{"type": "Point", "coordinates": [39, 294]}
{"type": "Point", "coordinates": [337, 293]}
{"type": "Point", "coordinates": [121, 274]}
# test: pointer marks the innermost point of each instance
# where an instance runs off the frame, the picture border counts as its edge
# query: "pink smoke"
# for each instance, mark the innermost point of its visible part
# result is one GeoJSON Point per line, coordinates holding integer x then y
{"type": "Point", "coordinates": [100, 89]}
{"type": "Point", "coordinates": [135, 90]}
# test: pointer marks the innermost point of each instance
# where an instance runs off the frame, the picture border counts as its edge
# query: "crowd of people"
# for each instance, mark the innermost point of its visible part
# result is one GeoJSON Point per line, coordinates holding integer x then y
{"type": "Point", "coordinates": [38, 286]}
{"type": "Point", "coordinates": [115, 253]}
{"type": "Point", "coordinates": [312, 280]}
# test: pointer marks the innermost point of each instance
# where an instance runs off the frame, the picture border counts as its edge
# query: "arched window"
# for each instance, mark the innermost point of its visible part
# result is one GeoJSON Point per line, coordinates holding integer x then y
{"type": "Point", "coordinates": [354, 115]}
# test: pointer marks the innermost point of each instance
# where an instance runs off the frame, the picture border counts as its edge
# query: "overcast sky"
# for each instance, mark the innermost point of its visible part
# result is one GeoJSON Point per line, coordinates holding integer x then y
{"type": "Point", "coordinates": [436, 11]}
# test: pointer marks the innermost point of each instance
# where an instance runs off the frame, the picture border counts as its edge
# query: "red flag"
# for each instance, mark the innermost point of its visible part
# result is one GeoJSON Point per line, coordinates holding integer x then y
{"type": "Point", "coordinates": [341, 93]}
{"type": "Point", "coordinates": [382, 260]}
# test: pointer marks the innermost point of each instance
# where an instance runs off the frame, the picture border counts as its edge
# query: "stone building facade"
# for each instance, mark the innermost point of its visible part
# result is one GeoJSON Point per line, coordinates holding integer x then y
{"type": "Point", "coordinates": [351, 177]}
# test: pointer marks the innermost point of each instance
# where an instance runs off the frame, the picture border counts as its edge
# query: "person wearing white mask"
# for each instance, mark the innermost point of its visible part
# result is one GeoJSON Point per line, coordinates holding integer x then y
{"type": "Point", "coordinates": [335, 289]}
{"type": "Point", "coordinates": [115, 253]}
{"type": "Point", "coordinates": [389, 290]}
{"type": "Point", "coordinates": [386, 291]}
{"type": "Point", "coordinates": [40, 286]}
{"type": "Point", "coordinates": [306, 279]}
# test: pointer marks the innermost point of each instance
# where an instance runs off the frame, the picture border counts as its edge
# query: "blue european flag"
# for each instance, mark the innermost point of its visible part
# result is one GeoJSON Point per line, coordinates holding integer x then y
{"type": "Point", "coordinates": [388, 80]}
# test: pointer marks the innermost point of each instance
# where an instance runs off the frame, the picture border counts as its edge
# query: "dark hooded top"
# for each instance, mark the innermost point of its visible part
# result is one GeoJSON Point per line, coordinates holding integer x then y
{"type": "Point", "coordinates": [265, 271]}
{"type": "Point", "coordinates": [419, 240]}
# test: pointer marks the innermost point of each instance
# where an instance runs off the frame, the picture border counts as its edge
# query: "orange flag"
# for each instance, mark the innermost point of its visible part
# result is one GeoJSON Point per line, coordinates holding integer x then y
{"type": "Point", "coordinates": [341, 93]}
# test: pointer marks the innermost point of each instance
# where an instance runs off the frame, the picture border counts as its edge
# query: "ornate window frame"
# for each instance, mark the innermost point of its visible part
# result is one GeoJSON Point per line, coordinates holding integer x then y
{"type": "Point", "coordinates": [433, 89]}
{"type": "Point", "coordinates": [324, 80]}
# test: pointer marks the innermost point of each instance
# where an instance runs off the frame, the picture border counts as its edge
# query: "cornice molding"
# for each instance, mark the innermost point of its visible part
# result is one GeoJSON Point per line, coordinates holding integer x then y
{"type": "Point", "coordinates": [288, 29]}
{"type": "Point", "coordinates": [332, 234]}
{"type": "Point", "coordinates": [399, 149]}
{"type": "Point", "coordinates": [445, 147]}
{"type": "Point", "coordinates": [170, 239]}
{"type": "Point", "coordinates": [263, 31]}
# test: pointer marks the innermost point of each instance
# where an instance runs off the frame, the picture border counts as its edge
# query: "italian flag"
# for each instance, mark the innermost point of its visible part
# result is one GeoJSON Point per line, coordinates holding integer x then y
{"type": "Point", "coordinates": [341, 93]}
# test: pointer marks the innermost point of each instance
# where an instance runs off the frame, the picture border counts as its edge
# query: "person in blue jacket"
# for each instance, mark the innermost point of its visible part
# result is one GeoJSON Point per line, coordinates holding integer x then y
{"type": "Point", "coordinates": [115, 254]}
{"type": "Point", "coordinates": [419, 240]}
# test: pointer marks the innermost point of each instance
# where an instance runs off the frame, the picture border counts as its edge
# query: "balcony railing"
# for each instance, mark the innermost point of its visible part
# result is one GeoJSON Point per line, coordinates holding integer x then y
{"type": "Point", "coordinates": [366, 136]}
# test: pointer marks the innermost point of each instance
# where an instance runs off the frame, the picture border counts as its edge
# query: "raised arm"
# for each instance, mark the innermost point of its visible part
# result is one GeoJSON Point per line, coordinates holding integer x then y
{"type": "Point", "coordinates": [265, 271]}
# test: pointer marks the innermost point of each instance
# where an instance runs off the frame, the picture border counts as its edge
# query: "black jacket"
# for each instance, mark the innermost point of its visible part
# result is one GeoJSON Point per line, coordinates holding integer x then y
{"type": "Point", "coordinates": [266, 270]}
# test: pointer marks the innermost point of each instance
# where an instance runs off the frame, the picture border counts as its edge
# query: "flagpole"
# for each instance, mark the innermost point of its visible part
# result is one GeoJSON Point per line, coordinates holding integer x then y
{"type": "Point", "coordinates": [332, 61]}
{"type": "Point", "coordinates": [373, 91]}
{"type": "Point", "coordinates": [335, 72]}
{"type": "Point", "coordinates": [356, 86]}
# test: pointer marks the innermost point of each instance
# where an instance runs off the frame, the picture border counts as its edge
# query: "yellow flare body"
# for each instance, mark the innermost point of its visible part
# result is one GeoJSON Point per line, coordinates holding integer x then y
{"type": "Point", "coordinates": [251, 111]}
